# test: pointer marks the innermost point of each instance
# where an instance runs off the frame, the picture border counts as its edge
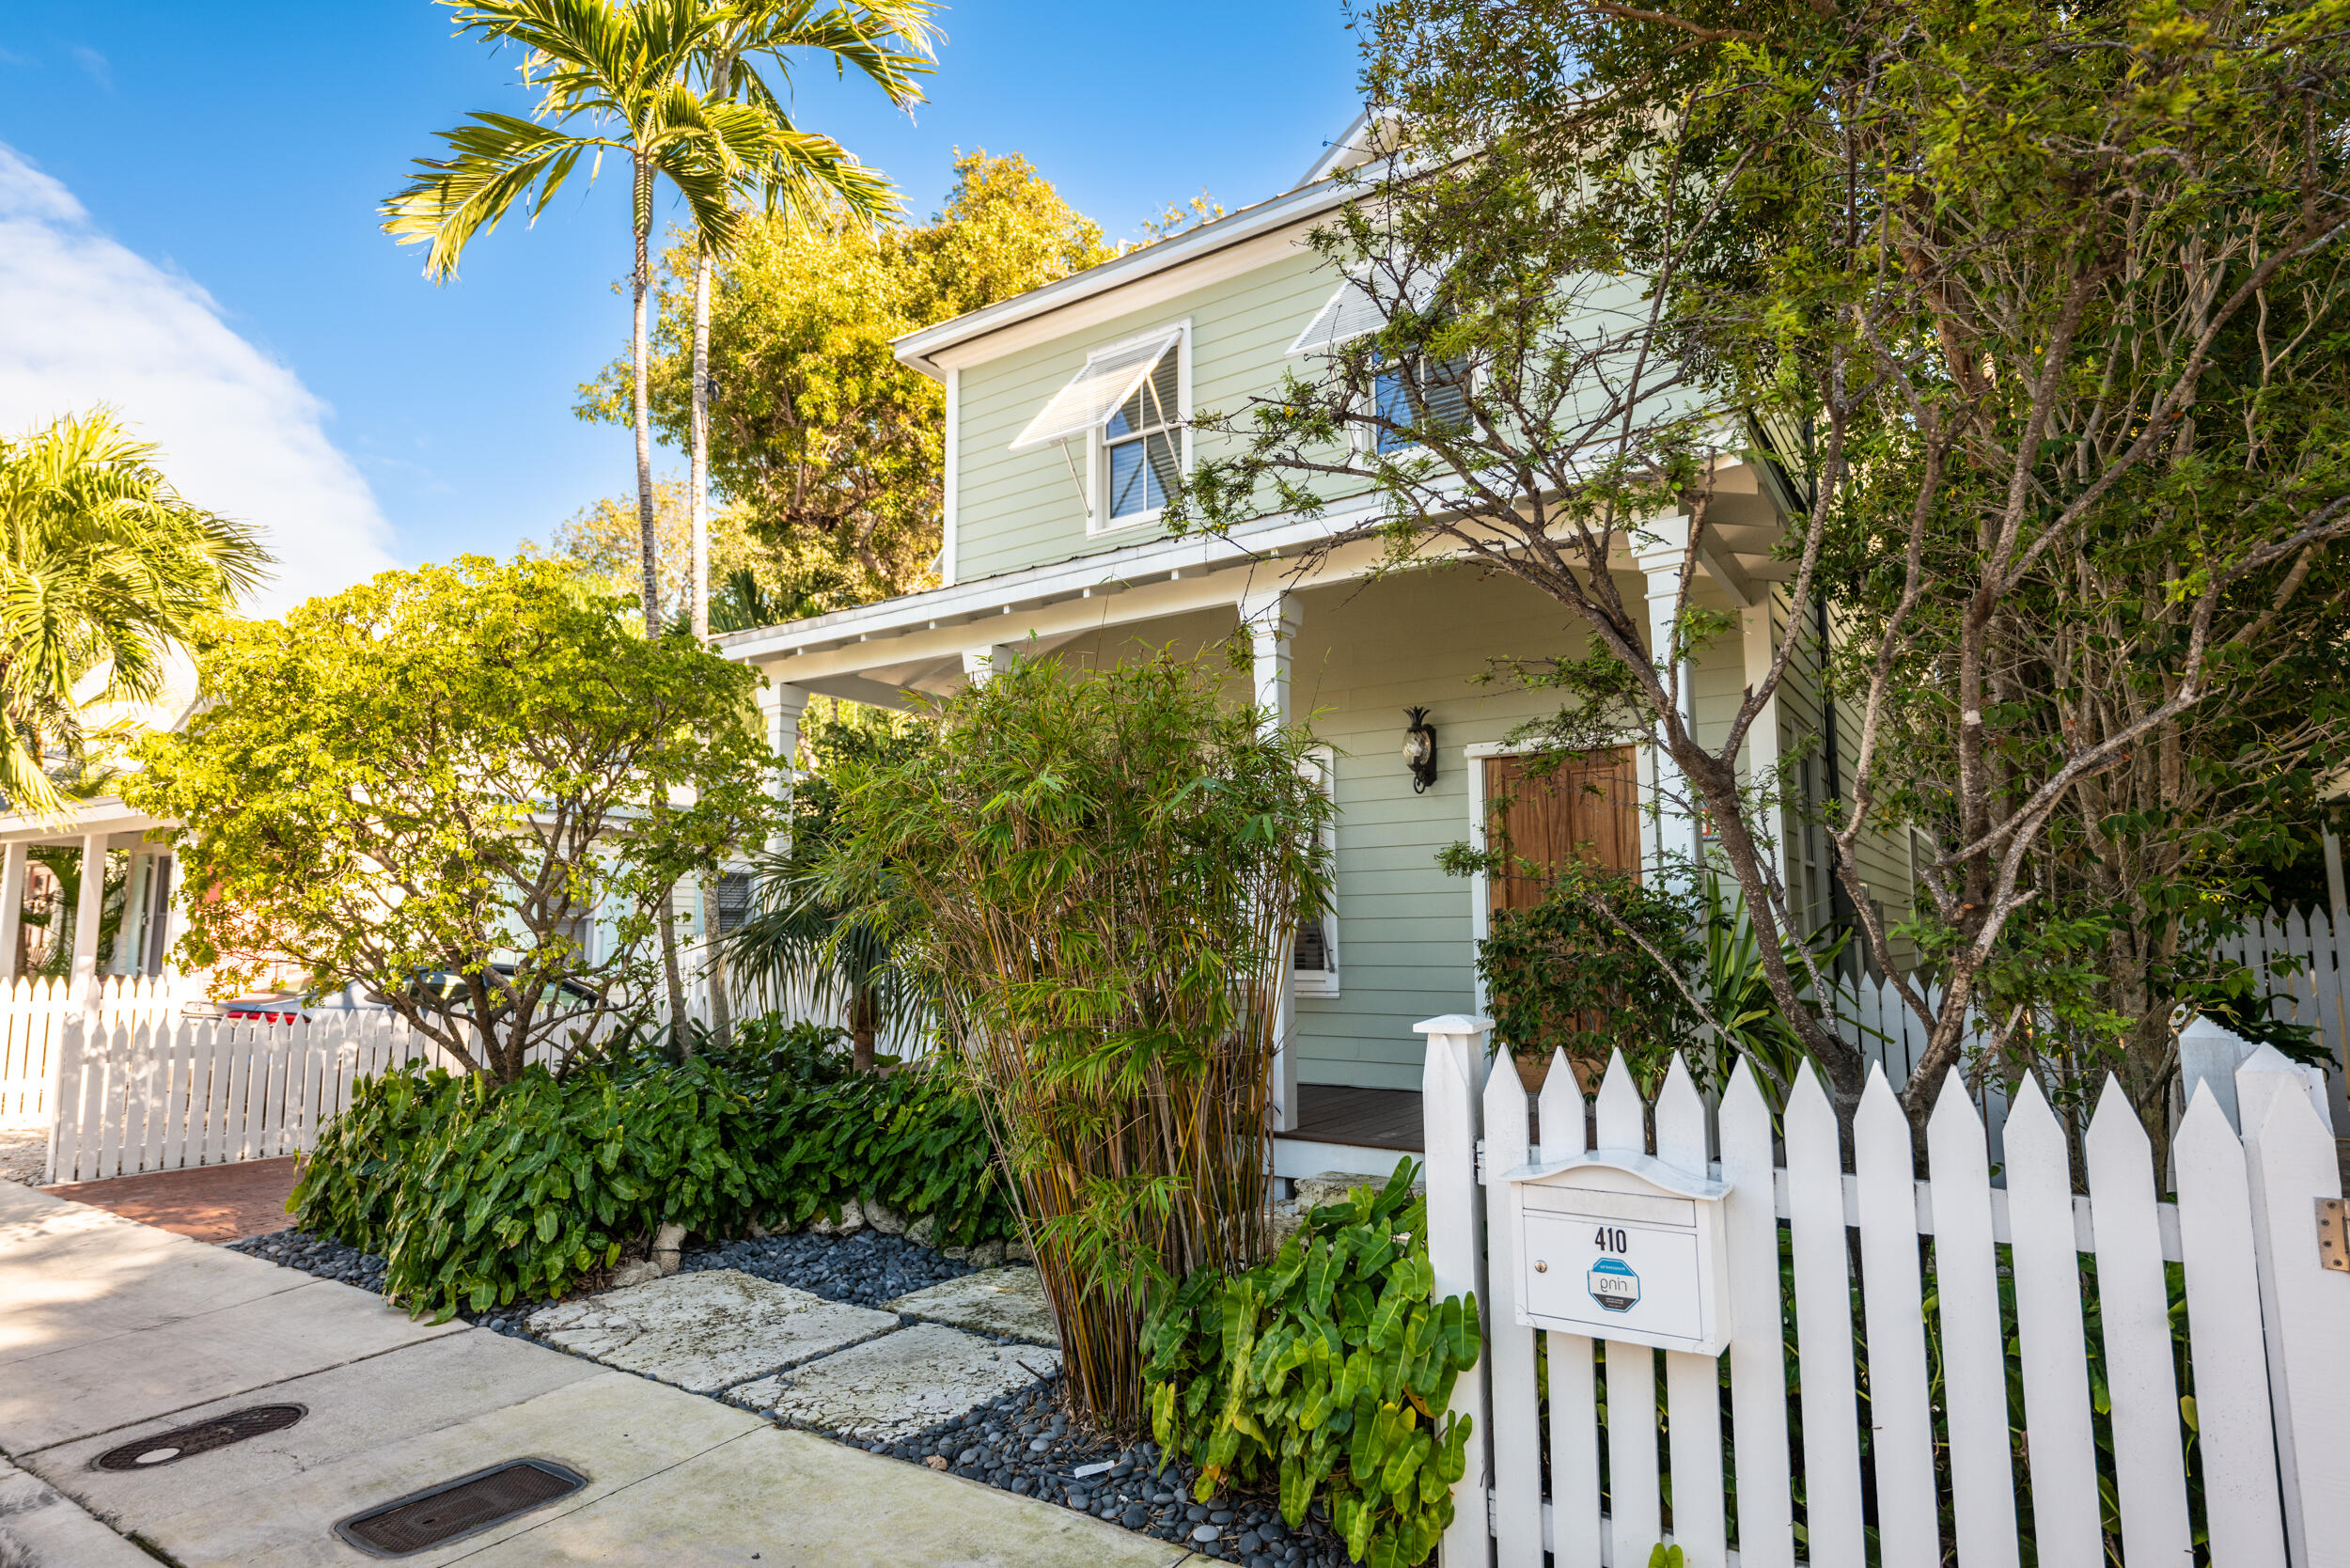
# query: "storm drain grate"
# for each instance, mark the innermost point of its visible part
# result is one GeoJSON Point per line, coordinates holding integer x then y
{"type": "Point", "coordinates": [459, 1507]}
{"type": "Point", "coordinates": [166, 1447]}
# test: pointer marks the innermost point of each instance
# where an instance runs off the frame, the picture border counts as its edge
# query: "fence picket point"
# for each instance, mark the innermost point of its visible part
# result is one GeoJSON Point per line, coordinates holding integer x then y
{"type": "Point", "coordinates": [1757, 1367]}
{"type": "Point", "coordinates": [1517, 1454]}
{"type": "Point", "coordinates": [1831, 1429]}
{"type": "Point", "coordinates": [2134, 1317]}
{"type": "Point", "coordinates": [2054, 1348]}
{"type": "Point", "coordinates": [1974, 1356]}
{"type": "Point", "coordinates": [2226, 1356]}
{"type": "Point", "coordinates": [1894, 1313]}
{"type": "Point", "coordinates": [1635, 1502]}
{"type": "Point", "coordinates": [1574, 1506]}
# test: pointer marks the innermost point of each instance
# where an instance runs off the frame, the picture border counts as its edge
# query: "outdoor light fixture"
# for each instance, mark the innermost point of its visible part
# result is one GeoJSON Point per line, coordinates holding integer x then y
{"type": "Point", "coordinates": [1420, 750]}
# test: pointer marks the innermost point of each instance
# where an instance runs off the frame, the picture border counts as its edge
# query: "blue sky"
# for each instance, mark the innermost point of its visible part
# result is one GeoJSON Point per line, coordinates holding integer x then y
{"type": "Point", "coordinates": [187, 229]}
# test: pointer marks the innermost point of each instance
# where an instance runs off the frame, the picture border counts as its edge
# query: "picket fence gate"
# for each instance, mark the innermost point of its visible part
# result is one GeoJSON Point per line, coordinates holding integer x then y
{"type": "Point", "coordinates": [2267, 1358]}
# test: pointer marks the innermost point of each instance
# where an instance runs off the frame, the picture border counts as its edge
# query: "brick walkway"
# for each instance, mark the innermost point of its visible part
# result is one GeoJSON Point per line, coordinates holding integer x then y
{"type": "Point", "coordinates": [208, 1203]}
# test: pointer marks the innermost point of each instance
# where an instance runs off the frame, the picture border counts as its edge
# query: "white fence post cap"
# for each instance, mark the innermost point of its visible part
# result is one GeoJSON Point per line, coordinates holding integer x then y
{"type": "Point", "coordinates": [1453, 1023]}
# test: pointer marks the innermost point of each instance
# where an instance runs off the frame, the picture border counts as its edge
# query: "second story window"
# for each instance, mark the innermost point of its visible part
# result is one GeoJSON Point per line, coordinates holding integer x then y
{"type": "Point", "coordinates": [1143, 442]}
{"type": "Point", "coordinates": [1438, 397]}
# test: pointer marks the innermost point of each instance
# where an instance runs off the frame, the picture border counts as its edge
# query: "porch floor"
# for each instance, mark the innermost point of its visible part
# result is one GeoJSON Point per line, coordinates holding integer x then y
{"type": "Point", "coordinates": [1363, 1118]}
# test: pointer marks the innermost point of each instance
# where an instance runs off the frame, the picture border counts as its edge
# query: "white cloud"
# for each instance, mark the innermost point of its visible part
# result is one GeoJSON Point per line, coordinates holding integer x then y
{"type": "Point", "coordinates": [85, 320]}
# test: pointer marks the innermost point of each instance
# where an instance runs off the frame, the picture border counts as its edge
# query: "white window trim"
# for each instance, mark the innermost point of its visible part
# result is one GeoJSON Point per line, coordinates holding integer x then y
{"type": "Point", "coordinates": [1480, 900]}
{"type": "Point", "coordinates": [1097, 476]}
{"type": "Point", "coordinates": [1323, 761]}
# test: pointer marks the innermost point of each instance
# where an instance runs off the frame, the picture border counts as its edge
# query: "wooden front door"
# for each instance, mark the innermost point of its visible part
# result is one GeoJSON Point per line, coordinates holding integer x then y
{"type": "Point", "coordinates": [1586, 807]}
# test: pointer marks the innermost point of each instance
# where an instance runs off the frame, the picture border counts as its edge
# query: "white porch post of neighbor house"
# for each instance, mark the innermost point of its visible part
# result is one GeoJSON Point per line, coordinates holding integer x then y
{"type": "Point", "coordinates": [782, 704]}
{"type": "Point", "coordinates": [88, 911]}
{"type": "Point", "coordinates": [1273, 620]}
{"type": "Point", "coordinates": [1760, 648]}
{"type": "Point", "coordinates": [1660, 546]}
{"type": "Point", "coordinates": [12, 904]}
{"type": "Point", "coordinates": [980, 664]}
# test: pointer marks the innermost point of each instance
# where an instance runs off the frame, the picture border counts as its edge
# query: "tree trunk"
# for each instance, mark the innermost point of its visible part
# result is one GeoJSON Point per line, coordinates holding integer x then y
{"type": "Point", "coordinates": [700, 477]}
{"type": "Point", "coordinates": [677, 1031]}
{"type": "Point", "coordinates": [864, 1017]}
{"type": "Point", "coordinates": [640, 349]}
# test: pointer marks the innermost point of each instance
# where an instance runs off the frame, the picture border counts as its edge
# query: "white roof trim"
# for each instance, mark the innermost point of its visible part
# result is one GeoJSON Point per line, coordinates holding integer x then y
{"type": "Point", "coordinates": [1192, 244]}
{"type": "Point", "coordinates": [1087, 399]}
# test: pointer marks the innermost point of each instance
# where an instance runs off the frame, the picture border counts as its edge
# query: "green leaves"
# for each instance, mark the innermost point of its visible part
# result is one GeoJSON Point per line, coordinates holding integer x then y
{"type": "Point", "coordinates": [1330, 1365]}
{"type": "Point", "coordinates": [478, 1194]}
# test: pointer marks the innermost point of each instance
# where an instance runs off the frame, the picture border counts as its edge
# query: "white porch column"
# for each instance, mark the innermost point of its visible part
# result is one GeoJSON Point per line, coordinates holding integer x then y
{"type": "Point", "coordinates": [980, 664]}
{"type": "Point", "coordinates": [131, 936]}
{"type": "Point", "coordinates": [1760, 648]}
{"type": "Point", "coordinates": [1273, 620]}
{"type": "Point", "coordinates": [11, 905]}
{"type": "Point", "coordinates": [1661, 546]}
{"type": "Point", "coordinates": [782, 704]}
{"type": "Point", "coordinates": [87, 912]}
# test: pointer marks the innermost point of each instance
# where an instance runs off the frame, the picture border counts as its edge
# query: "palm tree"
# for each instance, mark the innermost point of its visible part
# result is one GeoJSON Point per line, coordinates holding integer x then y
{"type": "Point", "coordinates": [104, 568]}
{"type": "Point", "coordinates": [612, 76]}
{"type": "Point", "coordinates": [890, 42]}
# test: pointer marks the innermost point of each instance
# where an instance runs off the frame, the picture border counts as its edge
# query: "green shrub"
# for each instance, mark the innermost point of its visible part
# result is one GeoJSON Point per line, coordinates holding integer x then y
{"type": "Point", "coordinates": [480, 1195]}
{"type": "Point", "coordinates": [1329, 1366]}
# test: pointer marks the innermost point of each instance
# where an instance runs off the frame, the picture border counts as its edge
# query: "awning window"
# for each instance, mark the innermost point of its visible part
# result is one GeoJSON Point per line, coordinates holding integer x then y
{"type": "Point", "coordinates": [1351, 313]}
{"type": "Point", "coordinates": [1093, 394]}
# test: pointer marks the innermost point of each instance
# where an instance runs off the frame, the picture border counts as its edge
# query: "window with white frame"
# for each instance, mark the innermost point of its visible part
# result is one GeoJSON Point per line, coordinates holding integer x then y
{"type": "Point", "coordinates": [1436, 397]}
{"type": "Point", "coordinates": [1143, 443]}
{"type": "Point", "coordinates": [1314, 948]}
{"type": "Point", "coordinates": [1126, 405]}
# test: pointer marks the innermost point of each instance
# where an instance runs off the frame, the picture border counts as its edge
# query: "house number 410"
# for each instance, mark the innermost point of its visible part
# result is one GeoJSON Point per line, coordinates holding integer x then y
{"type": "Point", "coordinates": [1610, 1240]}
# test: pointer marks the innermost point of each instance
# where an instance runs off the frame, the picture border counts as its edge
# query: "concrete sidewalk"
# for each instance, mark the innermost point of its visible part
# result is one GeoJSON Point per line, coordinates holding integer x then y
{"type": "Point", "coordinates": [112, 1331]}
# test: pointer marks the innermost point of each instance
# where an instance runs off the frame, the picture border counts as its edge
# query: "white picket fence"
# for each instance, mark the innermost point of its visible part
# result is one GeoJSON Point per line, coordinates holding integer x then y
{"type": "Point", "coordinates": [167, 1093]}
{"type": "Point", "coordinates": [2268, 1360]}
{"type": "Point", "coordinates": [32, 1012]}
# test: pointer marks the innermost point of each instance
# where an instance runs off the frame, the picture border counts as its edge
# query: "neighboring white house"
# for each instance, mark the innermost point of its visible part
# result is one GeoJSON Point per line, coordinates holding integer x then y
{"type": "Point", "coordinates": [1065, 410]}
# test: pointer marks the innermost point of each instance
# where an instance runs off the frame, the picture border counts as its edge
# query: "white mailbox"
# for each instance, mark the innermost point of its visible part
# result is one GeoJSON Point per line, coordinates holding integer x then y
{"type": "Point", "coordinates": [1620, 1246]}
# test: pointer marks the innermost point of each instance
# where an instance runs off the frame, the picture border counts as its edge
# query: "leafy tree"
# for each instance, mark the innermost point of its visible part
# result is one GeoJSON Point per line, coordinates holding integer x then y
{"type": "Point", "coordinates": [2032, 312]}
{"type": "Point", "coordinates": [616, 76]}
{"type": "Point", "coordinates": [461, 769]}
{"type": "Point", "coordinates": [838, 451]}
{"type": "Point", "coordinates": [104, 568]}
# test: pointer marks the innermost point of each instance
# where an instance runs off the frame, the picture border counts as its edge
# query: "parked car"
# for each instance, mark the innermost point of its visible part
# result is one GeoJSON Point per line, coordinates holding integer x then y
{"type": "Point", "coordinates": [352, 1001]}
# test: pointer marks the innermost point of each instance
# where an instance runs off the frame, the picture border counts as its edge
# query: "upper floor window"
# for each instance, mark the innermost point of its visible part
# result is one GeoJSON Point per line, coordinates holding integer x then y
{"type": "Point", "coordinates": [1440, 397]}
{"type": "Point", "coordinates": [1127, 406]}
{"type": "Point", "coordinates": [1144, 443]}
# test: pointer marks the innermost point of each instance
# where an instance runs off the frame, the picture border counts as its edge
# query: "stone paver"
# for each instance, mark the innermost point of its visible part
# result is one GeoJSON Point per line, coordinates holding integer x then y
{"type": "Point", "coordinates": [707, 1330]}
{"type": "Point", "coordinates": [898, 1385]}
{"type": "Point", "coordinates": [1006, 1302]}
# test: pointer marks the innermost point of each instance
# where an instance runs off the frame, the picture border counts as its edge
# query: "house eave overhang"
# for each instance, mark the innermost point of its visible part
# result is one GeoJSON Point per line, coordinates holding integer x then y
{"type": "Point", "coordinates": [918, 349]}
{"type": "Point", "coordinates": [104, 816]}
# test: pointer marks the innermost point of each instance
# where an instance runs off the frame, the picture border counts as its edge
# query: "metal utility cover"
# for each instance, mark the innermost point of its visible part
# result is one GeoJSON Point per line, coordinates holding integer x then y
{"type": "Point", "coordinates": [456, 1509]}
{"type": "Point", "coordinates": [170, 1448]}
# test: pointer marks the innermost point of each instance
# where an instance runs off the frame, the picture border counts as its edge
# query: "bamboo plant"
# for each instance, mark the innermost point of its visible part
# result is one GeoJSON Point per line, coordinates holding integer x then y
{"type": "Point", "coordinates": [1097, 873]}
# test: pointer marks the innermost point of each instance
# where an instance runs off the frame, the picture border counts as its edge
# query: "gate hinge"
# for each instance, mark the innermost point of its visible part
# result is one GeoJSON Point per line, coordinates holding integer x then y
{"type": "Point", "coordinates": [2333, 1234]}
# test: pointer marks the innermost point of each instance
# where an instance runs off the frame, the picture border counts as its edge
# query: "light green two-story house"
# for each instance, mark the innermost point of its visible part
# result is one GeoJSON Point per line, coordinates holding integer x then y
{"type": "Point", "coordinates": [1066, 424]}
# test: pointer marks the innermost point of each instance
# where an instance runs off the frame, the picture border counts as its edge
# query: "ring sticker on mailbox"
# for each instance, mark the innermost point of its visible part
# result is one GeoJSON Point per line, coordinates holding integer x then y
{"type": "Point", "coordinates": [1614, 1285]}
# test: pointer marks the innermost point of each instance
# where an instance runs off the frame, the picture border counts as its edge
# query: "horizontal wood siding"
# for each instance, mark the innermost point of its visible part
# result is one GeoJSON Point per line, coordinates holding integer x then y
{"type": "Point", "coordinates": [1023, 509]}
